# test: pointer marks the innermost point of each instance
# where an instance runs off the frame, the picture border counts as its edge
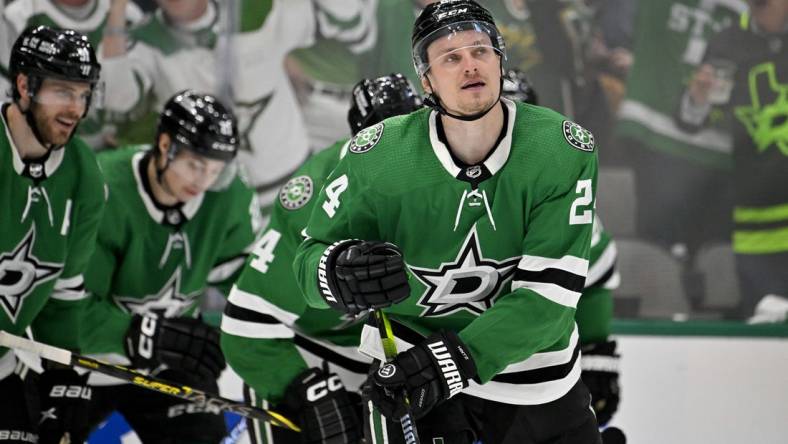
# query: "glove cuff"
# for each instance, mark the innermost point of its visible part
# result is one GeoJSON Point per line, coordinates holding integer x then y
{"type": "Point", "coordinates": [326, 278]}
{"type": "Point", "coordinates": [600, 357]}
{"type": "Point", "coordinates": [453, 360]}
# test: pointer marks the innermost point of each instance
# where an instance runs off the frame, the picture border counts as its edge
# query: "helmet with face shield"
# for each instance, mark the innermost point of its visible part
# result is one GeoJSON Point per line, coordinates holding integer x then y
{"type": "Point", "coordinates": [203, 126]}
{"type": "Point", "coordinates": [462, 24]}
{"type": "Point", "coordinates": [447, 18]}
{"type": "Point", "coordinates": [63, 55]}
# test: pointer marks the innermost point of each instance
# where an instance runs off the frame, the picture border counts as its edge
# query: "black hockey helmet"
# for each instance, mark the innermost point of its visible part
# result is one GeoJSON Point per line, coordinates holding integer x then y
{"type": "Point", "coordinates": [517, 87]}
{"type": "Point", "coordinates": [201, 123]}
{"type": "Point", "coordinates": [446, 17]}
{"type": "Point", "coordinates": [43, 52]}
{"type": "Point", "coordinates": [377, 99]}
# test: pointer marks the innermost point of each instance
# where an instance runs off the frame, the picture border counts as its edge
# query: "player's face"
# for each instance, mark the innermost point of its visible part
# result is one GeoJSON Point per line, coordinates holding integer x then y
{"type": "Point", "coordinates": [771, 15]}
{"type": "Point", "coordinates": [57, 108]}
{"type": "Point", "coordinates": [183, 11]}
{"type": "Point", "coordinates": [189, 174]}
{"type": "Point", "coordinates": [465, 71]}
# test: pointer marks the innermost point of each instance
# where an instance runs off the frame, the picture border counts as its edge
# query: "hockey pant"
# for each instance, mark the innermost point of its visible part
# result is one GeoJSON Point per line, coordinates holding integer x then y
{"type": "Point", "coordinates": [466, 419]}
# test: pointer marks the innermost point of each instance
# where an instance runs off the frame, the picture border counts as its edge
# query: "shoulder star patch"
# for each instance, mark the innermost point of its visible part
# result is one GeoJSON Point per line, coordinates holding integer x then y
{"type": "Point", "coordinates": [296, 192]}
{"type": "Point", "coordinates": [578, 137]}
{"type": "Point", "coordinates": [366, 139]}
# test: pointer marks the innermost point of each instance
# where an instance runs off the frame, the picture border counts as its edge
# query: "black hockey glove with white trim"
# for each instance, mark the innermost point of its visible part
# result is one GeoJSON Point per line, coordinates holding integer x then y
{"type": "Point", "coordinates": [430, 373]}
{"type": "Point", "coordinates": [64, 395]}
{"type": "Point", "coordinates": [599, 362]}
{"type": "Point", "coordinates": [360, 275]}
{"type": "Point", "coordinates": [185, 344]}
{"type": "Point", "coordinates": [323, 408]}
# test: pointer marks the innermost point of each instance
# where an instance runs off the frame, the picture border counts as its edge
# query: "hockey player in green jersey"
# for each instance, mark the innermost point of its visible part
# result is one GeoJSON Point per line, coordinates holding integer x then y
{"type": "Point", "coordinates": [595, 307]}
{"type": "Point", "coordinates": [490, 204]}
{"type": "Point", "coordinates": [52, 199]}
{"type": "Point", "coordinates": [267, 324]}
{"type": "Point", "coordinates": [174, 225]}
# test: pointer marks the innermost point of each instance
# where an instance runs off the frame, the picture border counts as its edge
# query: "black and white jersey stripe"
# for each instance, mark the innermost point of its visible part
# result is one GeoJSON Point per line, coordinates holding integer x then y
{"type": "Point", "coordinates": [559, 280]}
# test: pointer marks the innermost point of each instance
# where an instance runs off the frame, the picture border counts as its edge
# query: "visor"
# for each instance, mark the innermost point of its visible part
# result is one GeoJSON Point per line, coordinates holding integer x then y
{"type": "Point", "coordinates": [454, 37]}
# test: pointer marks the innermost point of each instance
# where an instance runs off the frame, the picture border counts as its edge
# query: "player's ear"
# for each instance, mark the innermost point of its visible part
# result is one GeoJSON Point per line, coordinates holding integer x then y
{"type": "Point", "coordinates": [164, 144]}
{"type": "Point", "coordinates": [425, 84]}
{"type": "Point", "coordinates": [22, 85]}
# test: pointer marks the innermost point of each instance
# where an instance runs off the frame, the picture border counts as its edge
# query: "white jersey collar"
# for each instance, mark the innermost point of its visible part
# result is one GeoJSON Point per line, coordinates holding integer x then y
{"type": "Point", "coordinates": [493, 163]}
{"type": "Point", "coordinates": [189, 209]}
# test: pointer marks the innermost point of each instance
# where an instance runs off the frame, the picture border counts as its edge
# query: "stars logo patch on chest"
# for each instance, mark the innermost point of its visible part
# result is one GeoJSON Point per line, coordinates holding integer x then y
{"type": "Point", "coordinates": [169, 302]}
{"type": "Point", "coordinates": [21, 272]}
{"type": "Point", "coordinates": [470, 283]}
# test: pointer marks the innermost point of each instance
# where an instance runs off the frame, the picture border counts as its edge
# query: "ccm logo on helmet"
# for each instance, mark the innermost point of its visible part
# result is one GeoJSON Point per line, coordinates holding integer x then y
{"type": "Point", "coordinates": [453, 12]}
{"type": "Point", "coordinates": [322, 388]}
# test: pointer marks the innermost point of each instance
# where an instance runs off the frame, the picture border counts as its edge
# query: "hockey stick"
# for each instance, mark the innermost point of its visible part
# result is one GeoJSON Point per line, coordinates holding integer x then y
{"type": "Point", "coordinates": [187, 393]}
{"type": "Point", "coordinates": [390, 351]}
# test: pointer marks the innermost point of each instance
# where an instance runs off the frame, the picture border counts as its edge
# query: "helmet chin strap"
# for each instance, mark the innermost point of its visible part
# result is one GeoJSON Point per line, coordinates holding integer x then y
{"type": "Point", "coordinates": [160, 173]}
{"type": "Point", "coordinates": [31, 122]}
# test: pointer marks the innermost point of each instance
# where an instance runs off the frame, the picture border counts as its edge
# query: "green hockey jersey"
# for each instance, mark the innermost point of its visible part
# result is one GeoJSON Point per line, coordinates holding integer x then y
{"type": "Point", "coordinates": [497, 251]}
{"type": "Point", "coordinates": [671, 38]}
{"type": "Point", "coordinates": [50, 213]}
{"type": "Point", "coordinates": [267, 323]}
{"type": "Point", "coordinates": [150, 259]}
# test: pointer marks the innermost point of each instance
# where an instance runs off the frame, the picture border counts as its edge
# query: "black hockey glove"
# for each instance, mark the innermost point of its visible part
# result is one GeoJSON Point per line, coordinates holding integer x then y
{"type": "Point", "coordinates": [323, 408]}
{"type": "Point", "coordinates": [64, 395]}
{"type": "Point", "coordinates": [430, 373]}
{"type": "Point", "coordinates": [185, 344]}
{"type": "Point", "coordinates": [362, 275]}
{"type": "Point", "coordinates": [600, 374]}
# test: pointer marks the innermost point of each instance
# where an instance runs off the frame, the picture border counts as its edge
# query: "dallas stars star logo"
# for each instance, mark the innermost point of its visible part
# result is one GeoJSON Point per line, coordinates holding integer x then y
{"type": "Point", "coordinates": [764, 120]}
{"type": "Point", "coordinates": [247, 114]}
{"type": "Point", "coordinates": [169, 302]}
{"type": "Point", "coordinates": [469, 283]}
{"type": "Point", "coordinates": [21, 272]}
